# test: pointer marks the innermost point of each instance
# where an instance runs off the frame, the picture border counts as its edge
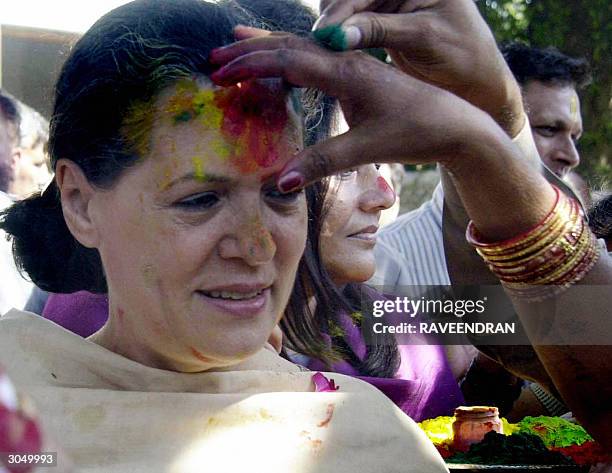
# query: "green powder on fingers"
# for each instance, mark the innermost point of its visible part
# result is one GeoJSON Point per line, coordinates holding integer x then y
{"type": "Point", "coordinates": [331, 37]}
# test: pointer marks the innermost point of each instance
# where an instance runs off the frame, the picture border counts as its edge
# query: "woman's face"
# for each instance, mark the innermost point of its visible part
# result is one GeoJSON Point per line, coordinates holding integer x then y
{"type": "Point", "coordinates": [199, 248]}
{"type": "Point", "coordinates": [355, 201]}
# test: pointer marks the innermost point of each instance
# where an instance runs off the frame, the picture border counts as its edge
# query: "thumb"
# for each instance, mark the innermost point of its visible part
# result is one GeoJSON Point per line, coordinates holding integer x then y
{"type": "Point", "coordinates": [367, 30]}
{"type": "Point", "coordinates": [323, 159]}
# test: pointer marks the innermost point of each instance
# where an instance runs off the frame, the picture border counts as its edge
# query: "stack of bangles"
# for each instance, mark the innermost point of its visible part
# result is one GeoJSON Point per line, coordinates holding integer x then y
{"type": "Point", "coordinates": [545, 260]}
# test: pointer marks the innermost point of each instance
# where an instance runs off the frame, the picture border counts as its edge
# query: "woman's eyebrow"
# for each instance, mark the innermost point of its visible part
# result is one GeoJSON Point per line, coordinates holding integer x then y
{"type": "Point", "coordinates": [200, 177]}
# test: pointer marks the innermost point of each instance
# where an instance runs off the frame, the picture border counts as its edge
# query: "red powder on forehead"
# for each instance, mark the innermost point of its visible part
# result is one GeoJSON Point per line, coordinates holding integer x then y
{"type": "Point", "coordinates": [254, 117]}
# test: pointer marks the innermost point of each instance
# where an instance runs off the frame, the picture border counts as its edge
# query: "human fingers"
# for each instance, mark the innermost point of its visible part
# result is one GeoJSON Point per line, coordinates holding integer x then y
{"type": "Point", "coordinates": [244, 32]}
{"type": "Point", "coordinates": [325, 158]}
{"type": "Point", "coordinates": [337, 11]}
{"type": "Point", "coordinates": [323, 4]}
{"type": "Point", "coordinates": [379, 30]}
{"type": "Point", "coordinates": [297, 67]}
{"type": "Point", "coordinates": [253, 39]}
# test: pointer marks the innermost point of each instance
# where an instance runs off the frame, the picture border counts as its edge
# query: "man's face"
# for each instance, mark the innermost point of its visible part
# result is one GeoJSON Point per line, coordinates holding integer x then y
{"type": "Point", "coordinates": [556, 123]}
{"type": "Point", "coordinates": [7, 161]}
{"type": "Point", "coordinates": [32, 173]}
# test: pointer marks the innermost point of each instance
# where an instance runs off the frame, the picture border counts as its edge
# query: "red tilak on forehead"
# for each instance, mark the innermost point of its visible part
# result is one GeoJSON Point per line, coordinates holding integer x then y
{"type": "Point", "coordinates": [254, 117]}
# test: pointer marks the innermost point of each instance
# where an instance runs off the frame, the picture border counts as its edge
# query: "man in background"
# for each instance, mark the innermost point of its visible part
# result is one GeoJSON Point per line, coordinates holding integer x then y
{"type": "Point", "coordinates": [10, 121]}
{"type": "Point", "coordinates": [14, 289]}
{"type": "Point", "coordinates": [23, 138]}
{"type": "Point", "coordinates": [550, 82]}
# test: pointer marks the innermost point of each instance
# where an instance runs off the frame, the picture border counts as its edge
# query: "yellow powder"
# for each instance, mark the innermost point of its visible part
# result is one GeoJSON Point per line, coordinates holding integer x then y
{"type": "Point", "coordinates": [198, 168]}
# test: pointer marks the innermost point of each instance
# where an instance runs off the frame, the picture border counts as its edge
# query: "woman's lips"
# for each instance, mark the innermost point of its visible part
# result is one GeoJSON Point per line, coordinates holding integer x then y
{"type": "Point", "coordinates": [367, 234]}
{"type": "Point", "coordinates": [365, 237]}
{"type": "Point", "coordinates": [250, 307]}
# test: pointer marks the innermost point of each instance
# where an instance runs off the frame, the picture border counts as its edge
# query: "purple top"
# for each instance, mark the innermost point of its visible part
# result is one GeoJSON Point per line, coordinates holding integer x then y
{"type": "Point", "coordinates": [423, 387]}
{"type": "Point", "coordinates": [81, 312]}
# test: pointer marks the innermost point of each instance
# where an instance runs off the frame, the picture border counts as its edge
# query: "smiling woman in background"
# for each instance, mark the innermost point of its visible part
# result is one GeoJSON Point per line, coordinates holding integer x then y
{"type": "Point", "coordinates": [327, 328]}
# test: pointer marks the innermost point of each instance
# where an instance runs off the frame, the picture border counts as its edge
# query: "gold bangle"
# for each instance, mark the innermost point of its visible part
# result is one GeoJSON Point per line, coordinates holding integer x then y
{"type": "Point", "coordinates": [554, 226]}
{"type": "Point", "coordinates": [546, 260]}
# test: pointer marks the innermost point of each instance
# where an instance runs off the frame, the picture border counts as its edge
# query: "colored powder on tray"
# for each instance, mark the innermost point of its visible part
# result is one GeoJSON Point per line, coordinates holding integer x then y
{"type": "Point", "coordinates": [509, 428]}
{"type": "Point", "coordinates": [438, 430]}
{"type": "Point", "coordinates": [589, 453]}
{"type": "Point", "coordinates": [554, 431]}
{"type": "Point", "coordinates": [445, 451]}
{"type": "Point", "coordinates": [516, 449]}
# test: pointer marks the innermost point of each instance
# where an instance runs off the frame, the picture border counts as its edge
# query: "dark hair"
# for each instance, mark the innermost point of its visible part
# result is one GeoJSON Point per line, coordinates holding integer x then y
{"type": "Point", "coordinates": [125, 59]}
{"type": "Point", "coordinates": [10, 112]}
{"type": "Point", "coordinates": [306, 332]}
{"type": "Point", "coordinates": [600, 217]}
{"type": "Point", "coordinates": [545, 65]}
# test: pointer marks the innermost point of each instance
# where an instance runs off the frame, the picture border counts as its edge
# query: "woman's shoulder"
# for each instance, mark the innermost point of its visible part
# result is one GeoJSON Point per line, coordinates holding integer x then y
{"type": "Point", "coordinates": [30, 346]}
{"type": "Point", "coordinates": [18, 322]}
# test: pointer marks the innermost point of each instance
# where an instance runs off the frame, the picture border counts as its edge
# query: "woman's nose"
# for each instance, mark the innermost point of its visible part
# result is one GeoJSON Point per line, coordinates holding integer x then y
{"type": "Point", "coordinates": [251, 242]}
{"type": "Point", "coordinates": [379, 195]}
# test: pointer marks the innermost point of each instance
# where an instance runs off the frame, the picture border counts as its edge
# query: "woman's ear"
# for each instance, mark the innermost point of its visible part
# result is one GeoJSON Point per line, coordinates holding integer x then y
{"type": "Point", "coordinates": [76, 194]}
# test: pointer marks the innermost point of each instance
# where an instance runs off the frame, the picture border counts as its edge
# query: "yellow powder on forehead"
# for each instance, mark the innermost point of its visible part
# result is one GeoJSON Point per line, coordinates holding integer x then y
{"type": "Point", "coordinates": [210, 115]}
{"type": "Point", "coordinates": [167, 179]}
{"type": "Point", "coordinates": [191, 102]}
{"type": "Point", "coordinates": [198, 168]}
{"type": "Point", "coordinates": [250, 120]}
{"type": "Point", "coordinates": [137, 126]}
{"type": "Point", "coordinates": [245, 166]}
{"type": "Point", "coordinates": [221, 148]}
{"type": "Point", "coordinates": [574, 105]}
{"type": "Point", "coordinates": [182, 98]}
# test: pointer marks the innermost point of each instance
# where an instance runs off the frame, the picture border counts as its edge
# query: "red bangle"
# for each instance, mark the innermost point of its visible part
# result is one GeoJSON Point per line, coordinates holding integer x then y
{"type": "Point", "coordinates": [473, 237]}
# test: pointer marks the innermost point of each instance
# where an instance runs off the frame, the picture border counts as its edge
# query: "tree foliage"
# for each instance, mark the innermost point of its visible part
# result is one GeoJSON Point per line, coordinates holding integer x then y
{"type": "Point", "coordinates": [581, 28]}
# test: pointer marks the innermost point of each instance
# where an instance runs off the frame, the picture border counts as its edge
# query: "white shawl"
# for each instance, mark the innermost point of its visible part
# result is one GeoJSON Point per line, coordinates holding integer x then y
{"type": "Point", "coordinates": [112, 414]}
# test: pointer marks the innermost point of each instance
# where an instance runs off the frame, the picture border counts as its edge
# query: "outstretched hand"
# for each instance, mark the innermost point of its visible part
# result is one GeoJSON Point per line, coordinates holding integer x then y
{"type": "Point", "coordinates": [393, 117]}
{"type": "Point", "coordinates": [443, 42]}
